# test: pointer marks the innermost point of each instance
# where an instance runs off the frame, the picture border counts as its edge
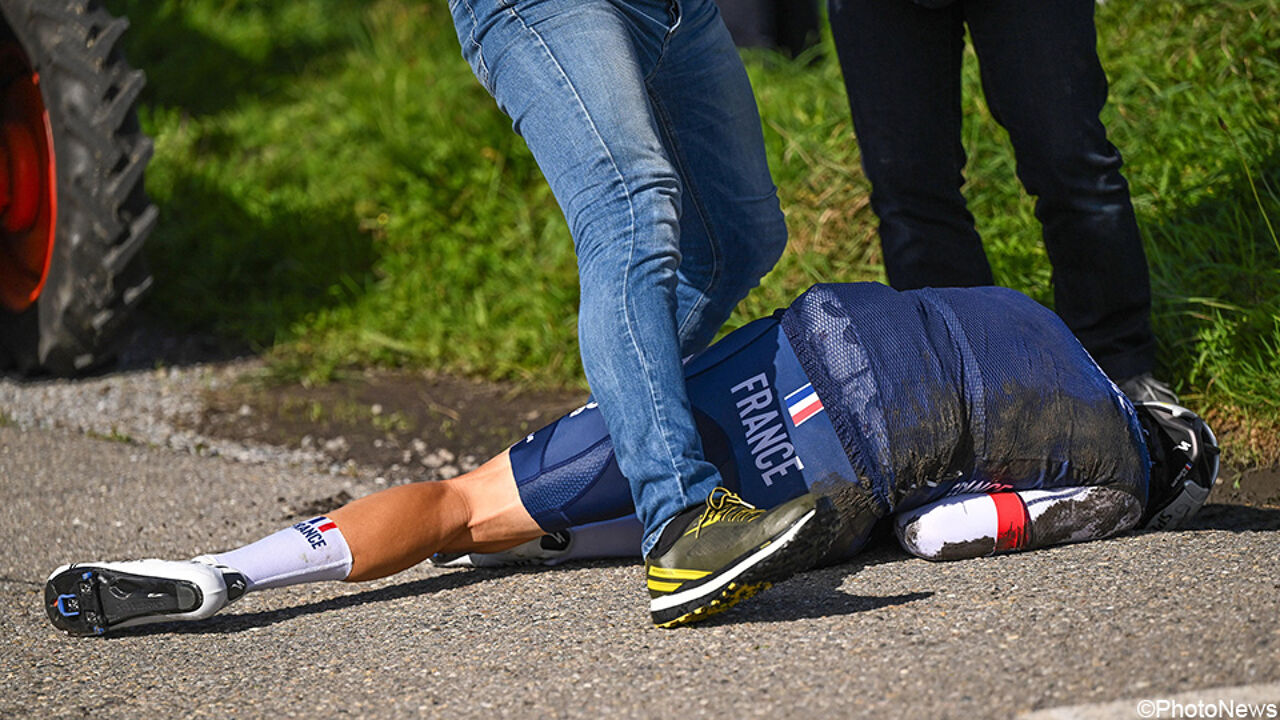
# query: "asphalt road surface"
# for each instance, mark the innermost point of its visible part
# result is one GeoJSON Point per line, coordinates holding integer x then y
{"type": "Point", "coordinates": [1082, 631]}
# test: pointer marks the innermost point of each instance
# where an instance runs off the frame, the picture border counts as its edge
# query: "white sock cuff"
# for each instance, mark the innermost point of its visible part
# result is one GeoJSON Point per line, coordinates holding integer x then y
{"type": "Point", "coordinates": [309, 551]}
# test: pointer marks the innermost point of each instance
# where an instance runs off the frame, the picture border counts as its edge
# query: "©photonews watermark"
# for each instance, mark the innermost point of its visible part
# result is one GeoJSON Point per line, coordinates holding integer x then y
{"type": "Point", "coordinates": [1168, 708]}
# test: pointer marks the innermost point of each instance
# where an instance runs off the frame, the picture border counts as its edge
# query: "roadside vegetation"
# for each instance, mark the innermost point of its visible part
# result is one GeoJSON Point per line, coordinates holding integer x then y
{"type": "Point", "coordinates": [338, 191]}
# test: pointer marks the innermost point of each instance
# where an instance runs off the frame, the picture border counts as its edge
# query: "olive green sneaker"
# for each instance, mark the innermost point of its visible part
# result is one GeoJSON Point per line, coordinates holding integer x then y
{"type": "Point", "coordinates": [711, 558]}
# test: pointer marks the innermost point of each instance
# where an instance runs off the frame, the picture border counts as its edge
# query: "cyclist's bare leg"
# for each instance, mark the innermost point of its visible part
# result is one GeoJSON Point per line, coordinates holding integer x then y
{"type": "Point", "coordinates": [399, 527]}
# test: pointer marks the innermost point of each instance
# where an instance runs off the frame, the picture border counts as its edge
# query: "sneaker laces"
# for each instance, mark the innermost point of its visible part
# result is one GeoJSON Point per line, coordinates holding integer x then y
{"type": "Point", "coordinates": [725, 506]}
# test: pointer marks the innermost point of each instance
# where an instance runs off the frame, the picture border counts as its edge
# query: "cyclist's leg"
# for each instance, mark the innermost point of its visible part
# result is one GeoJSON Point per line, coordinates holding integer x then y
{"type": "Point", "coordinates": [399, 527]}
{"type": "Point", "coordinates": [972, 525]}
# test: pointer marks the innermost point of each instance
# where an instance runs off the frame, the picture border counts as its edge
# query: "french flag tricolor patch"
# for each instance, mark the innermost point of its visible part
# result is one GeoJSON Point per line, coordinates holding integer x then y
{"type": "Point", "coordinates": [803, 404]}
{"type": "Point", "coordinates": [323, 524]}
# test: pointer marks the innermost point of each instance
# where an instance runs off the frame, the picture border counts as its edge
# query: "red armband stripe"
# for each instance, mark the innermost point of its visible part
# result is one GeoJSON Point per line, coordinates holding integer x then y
{"type": "Point", "coordinates": [1011, 521]}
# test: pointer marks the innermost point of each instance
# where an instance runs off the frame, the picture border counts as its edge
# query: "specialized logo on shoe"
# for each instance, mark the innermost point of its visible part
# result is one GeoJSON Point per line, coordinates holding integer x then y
{"type": "Point", "coordinates": [313, 530]}
{"type": "Point", "coordinates": [766, 433]}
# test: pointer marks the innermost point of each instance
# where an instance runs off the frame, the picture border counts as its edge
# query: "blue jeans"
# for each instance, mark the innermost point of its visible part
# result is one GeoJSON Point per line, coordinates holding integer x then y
{"type": "Point", "coordinates": [641, 117]}
{"type": "Point", "coordinates": [1044, 84]}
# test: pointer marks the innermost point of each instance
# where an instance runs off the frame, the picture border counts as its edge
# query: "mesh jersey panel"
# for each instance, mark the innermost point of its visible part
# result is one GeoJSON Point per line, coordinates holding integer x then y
{"type": "Point", "coordinates": [942, 391]}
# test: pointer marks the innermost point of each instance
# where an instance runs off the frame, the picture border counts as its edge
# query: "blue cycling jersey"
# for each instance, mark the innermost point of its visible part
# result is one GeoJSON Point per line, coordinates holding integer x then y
{"type": "Point", "coordinates": [936, 392]}
{"type": "Point", "coordinates": [886, 401]}
{"type": "Point", "coordinates": [761, 423]}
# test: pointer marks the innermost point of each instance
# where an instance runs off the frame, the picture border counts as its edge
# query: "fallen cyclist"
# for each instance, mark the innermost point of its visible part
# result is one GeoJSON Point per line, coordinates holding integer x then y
{"type": "Point", "coordinates": [969, 416]}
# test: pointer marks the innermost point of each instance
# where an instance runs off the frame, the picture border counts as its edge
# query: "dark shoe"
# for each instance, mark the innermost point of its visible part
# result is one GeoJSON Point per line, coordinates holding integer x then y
{"type": "Point", "coordinates": [713, 557]}
{"type": "Point", "coordinates": [1145, 388]}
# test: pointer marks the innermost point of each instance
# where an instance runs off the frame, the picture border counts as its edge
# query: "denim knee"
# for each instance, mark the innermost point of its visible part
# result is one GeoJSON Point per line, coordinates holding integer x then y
{"type": "Point", "coordinates": [634, 222]}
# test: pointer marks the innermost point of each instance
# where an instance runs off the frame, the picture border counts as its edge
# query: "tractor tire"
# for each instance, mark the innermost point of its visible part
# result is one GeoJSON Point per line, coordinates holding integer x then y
{"type": "Point", "coordinates": [73, 310]}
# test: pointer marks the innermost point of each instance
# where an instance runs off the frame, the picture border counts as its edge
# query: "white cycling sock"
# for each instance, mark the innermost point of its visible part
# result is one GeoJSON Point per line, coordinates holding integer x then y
{"type": "Point", "coordinates": [310, 551]}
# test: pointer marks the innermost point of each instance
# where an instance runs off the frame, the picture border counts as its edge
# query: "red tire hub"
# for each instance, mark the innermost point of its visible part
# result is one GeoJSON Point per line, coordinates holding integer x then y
{"type": "Point", "coordinates": [28, 183]}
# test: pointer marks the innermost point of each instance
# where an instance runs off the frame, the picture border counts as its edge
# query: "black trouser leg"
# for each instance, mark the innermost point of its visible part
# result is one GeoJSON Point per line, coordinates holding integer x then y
{"type": "Point", "coordinates": [1044, 84]}
{"type": "Point", "coordinates": [901, 66]}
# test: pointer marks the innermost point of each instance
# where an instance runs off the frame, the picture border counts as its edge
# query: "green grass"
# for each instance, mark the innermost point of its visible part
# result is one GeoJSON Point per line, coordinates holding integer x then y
{"type": "Point", "coordinates": [338, 190]}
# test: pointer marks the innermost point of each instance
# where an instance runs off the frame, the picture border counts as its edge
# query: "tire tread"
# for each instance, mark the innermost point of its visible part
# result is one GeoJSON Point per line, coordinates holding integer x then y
{"type": "Point", "coordinates": [98, 275]}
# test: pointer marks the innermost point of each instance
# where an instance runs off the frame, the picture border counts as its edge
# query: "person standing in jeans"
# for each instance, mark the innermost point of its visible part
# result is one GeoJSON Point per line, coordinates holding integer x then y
{"type": "Point", "coordinates": [641, 117]}
{"type": "Point", "coordinates": [1044, 84]}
